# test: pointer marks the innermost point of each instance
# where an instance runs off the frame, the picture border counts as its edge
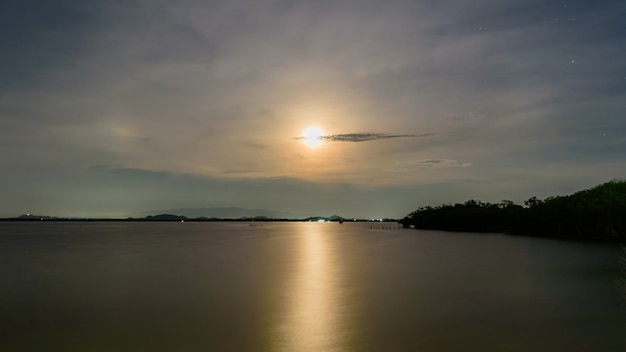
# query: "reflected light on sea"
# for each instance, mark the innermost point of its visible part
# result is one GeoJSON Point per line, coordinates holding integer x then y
{"type": "Point", "coordinates": [309, 321]}
{"type": "Point", "coordinates": [276, 287]}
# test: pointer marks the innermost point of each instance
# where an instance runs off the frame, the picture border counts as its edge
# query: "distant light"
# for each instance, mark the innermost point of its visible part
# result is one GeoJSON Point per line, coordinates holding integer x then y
{"type": "Point", "coordinates": [182, 221]}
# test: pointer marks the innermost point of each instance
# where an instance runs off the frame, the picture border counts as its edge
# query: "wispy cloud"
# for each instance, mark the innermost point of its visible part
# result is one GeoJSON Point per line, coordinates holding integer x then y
{"type": "Point", "coordinates": [365, 136]}
{"type": "Point", "coordinates": [428, 164]}
{"type": "Point", "coordinates": [513, 90]}
{"type": "Point", "coordinates": [441, 163]}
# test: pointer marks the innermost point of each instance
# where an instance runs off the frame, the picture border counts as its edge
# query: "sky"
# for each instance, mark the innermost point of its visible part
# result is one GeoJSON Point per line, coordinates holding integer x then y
{"type": "Point", "coordinates": [112, 108]}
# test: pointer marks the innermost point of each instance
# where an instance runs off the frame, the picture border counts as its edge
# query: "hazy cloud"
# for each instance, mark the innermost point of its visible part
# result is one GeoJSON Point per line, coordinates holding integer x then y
{"type": "Point", "coordinates": [211, 89]}
{"type": "Point", "coordinates": [365, 137]}
{"type": "Point", "coordinates": [442, 163]}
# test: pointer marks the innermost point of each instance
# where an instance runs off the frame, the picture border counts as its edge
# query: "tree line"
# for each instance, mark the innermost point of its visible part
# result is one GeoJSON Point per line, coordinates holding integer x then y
{"type": "Point", "coordinates": [597, 213]}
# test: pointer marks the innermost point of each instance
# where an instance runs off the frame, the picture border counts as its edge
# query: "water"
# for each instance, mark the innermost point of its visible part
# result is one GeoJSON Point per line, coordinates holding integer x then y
{"type": "Point", "coordinates": [123, 286]}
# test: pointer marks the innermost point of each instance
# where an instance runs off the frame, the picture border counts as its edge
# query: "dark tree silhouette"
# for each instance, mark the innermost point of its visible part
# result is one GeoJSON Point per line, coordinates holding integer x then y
{"type": "Point", "coordinates": [596, 213]}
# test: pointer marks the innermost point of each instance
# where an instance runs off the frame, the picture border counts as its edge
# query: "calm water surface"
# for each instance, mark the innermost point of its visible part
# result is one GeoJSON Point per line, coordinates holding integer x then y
{"type": "Point", "coordinates": [302, 287]}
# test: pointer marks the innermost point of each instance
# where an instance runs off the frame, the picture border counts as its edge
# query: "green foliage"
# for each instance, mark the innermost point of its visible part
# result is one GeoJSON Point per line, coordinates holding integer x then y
{"type": "Point", "coordinates": [595, 213]}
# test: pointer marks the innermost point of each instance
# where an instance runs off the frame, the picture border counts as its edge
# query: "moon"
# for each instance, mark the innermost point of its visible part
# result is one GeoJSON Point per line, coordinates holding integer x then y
{"type": "Point", "coordinates": [312, 136]}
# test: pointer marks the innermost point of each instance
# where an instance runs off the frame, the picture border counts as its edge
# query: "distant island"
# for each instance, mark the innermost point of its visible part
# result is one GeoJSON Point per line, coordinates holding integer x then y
{"type": "Point", "coordinates": [597, 213]}
{"type": "Point", "coordinates": [182, 218]}
{"type": "Point", "coordinates": [225, 213]}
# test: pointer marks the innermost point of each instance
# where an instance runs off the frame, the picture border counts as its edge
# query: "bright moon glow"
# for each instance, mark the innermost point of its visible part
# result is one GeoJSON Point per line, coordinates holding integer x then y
{"type": "Point", "coordinates": [311, 136]}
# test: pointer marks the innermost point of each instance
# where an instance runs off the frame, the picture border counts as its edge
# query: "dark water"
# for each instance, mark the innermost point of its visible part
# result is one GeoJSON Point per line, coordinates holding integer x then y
{"type": "Point", "coordinates": [302, 287]}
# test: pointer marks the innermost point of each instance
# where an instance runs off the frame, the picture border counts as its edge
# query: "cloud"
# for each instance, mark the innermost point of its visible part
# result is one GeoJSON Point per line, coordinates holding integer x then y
{"type": "Point", "coordinates": [441, 163]}
{"type": "Point", "coordinates": [428, 164]}
{"type": "Point", "coordinates": [212, 89]}
{"type": "Point", "coordinates": [364, 136]}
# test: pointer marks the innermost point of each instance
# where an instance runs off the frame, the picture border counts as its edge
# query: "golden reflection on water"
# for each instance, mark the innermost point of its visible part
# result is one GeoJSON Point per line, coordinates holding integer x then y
{"type": "Point", "coordinates": [309, 322]}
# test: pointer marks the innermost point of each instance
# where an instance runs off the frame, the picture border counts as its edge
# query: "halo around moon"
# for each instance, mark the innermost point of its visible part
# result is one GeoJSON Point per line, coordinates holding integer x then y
{"type": "Point", "coordinates": [312, 136]}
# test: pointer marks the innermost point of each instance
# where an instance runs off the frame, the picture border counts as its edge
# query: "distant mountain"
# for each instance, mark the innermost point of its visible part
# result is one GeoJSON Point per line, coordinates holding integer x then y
{"type": "Point", "coordinates": [31, 216]}
{"type": "Point", "coordinates": [34, 217]}
{"type": "Point", "coordinates": [224, 213]}
{"type": "Point", "coordinates": [165, 217]}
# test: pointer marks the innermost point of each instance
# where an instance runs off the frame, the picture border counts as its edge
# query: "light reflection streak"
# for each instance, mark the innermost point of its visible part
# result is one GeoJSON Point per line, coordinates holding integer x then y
{"type": "Point", "coordinates": [310, 319]}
